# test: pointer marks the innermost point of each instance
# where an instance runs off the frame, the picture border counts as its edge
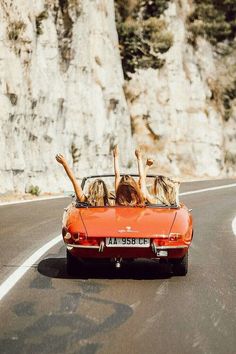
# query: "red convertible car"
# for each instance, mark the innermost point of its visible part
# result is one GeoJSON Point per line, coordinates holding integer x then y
{"type": "Point", "coordinates": [119, 233]}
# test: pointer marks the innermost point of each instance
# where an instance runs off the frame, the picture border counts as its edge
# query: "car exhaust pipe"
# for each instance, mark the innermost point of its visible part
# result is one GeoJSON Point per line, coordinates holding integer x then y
{"type": "Point", "coordinates": [118, 263]}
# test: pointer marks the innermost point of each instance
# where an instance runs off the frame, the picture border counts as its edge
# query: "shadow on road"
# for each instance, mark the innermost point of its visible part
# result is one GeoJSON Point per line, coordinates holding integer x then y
{"type": "Point", "coordinates": [140, 269]}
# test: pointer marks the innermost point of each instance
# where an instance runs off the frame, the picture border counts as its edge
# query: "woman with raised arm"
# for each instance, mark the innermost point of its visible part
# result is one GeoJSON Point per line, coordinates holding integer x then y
{"type": "Point", "coordinates": [128, 192]}
{"type": "Point", "coordinates": [165, 190]}
{"type": "Point", "coordinates": [97, 192]}
{"type": "Point", "coordinates": [142, 176]}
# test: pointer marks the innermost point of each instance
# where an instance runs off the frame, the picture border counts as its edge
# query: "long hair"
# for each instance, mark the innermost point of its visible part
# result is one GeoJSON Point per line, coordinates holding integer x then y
{"type": "Point", "coordinates": [166, 190]}
{"type": "Point", "coordinates": [98, 193]}
{"type": "Point", "coordinates": [129, 193]}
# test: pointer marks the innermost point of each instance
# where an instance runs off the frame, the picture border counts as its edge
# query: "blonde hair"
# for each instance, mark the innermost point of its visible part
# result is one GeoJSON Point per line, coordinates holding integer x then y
{"type": "Point", "coordinates": [166, 190]}
{"type": "Point", "coordinates": [129, 193]}
{"type": "Point", "coordinates": [98, 193]}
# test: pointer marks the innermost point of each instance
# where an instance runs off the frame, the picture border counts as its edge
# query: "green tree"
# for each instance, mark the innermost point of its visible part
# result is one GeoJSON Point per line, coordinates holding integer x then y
{"type": "Point", "coordinates": [213, 19]}
{"type": "Point", "coordinates": [143, 36]}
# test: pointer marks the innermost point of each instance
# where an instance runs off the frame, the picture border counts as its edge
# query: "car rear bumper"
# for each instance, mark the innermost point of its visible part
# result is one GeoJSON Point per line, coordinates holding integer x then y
{"type": "Point", "coordinates": [168, 251]}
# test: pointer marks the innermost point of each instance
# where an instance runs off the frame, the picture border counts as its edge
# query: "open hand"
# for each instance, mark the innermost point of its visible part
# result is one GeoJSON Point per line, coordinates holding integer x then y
{"type": "Point", "coordinates": [138, 153]}
{"type": "Point", "coordinates": [61, 159]}
{"type": "Point", "coordinates": [149, 162]}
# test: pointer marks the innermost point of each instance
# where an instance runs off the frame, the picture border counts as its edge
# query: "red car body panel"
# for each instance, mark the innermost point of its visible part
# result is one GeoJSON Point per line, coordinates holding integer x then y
{"type": "Point", "coordinates": [86, 229]}
{"type": "Point", "coordinates": [145, 222]}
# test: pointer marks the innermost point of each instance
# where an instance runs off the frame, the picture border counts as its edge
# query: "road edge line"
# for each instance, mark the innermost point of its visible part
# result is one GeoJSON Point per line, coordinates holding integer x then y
{"type": "Point", "coordinates": [34, 200]}
{"type": "Point", "coordinates": [66, 196]}
{"type": "Point", "coordinates": [234, 226]}
{"type": "Point", "coordinates": [209, 189]}
{"type": "Point", "coordinates": [9, 283]}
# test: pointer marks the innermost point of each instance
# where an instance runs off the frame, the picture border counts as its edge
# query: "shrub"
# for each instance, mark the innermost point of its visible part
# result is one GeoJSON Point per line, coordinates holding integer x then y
{"type": "Point", "coordinates": [34, 190]}
{"type": "Point", "coordinates": [142, 35]}
{"type": "Point", "coordinates": [74, 153]}
{"type": "Point", "coordinates": [15, 29]}
{"type": "Point", "coordinates": [228, 95]}
{"type": "Point", "coordinates": [213, 19]}
{"type": "Point", "coordinates": [38, 21]}
{"type": "Point", "coordinates": [230, 158]}
{"type": "Point", "coordinates": [151, 8]}
{"type": "Point", "coordinates": [13, 98]}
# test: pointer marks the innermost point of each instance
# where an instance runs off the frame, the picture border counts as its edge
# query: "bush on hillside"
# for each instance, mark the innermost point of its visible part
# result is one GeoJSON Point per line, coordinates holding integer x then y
{"type": "Point", "coordinates": [143, 36]}
{"type": "Point", "coordinates": [213, 19]}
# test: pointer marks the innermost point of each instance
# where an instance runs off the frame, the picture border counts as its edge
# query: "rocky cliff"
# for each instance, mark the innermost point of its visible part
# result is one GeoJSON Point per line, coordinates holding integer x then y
{"type": "Point", "coordinates": [177, 113]}
{"type": "Point", "coordinates": [62, 90]}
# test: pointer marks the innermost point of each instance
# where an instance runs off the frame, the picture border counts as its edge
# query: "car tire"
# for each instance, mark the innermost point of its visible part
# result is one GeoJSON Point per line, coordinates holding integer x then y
{"type": "Point", "coordinates": [180, 266]}
{"type": "Point", "coordinates": [72, 265]}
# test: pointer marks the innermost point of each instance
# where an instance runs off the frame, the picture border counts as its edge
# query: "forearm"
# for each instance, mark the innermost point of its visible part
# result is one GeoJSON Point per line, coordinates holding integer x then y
{"type": "Point", "coordinates": [142, 176]}
{"type": "Point", "coordinates": [117, 172]}
{"type": "Point", "coordinates": [77, 188]}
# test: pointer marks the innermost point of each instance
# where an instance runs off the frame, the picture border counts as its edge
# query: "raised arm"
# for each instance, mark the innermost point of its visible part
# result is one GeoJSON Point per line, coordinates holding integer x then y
{"type": "Point", "coordinates": [142, 175]}
{"type": "Point", "coordinates": [116, 167]}
{"type": "Point", "coordinates": [77, 188]}
{"type": "Point", "coordinates": [149, 163]}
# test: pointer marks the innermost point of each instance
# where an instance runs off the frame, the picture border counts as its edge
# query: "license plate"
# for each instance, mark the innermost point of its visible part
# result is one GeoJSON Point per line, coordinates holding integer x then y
{"type": "Point", "coordinates": [127, 242]}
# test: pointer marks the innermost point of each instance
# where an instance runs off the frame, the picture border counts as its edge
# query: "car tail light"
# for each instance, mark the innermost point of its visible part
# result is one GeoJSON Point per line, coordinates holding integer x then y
{"type": "Point", "coordinates": [161, 236]}
{"type": "Point", "coordinates": [67, 236]}
{"type": "Point", "coordinates": [92, 241]}
{"type": "Point", "coordinates": [78, 237]}
{"type": "Point", "coordinates": [160, 239]}
{"type": "Point", "coordinates": [174, 236]}
{"type": "Point", "coordinates": [163, 239]}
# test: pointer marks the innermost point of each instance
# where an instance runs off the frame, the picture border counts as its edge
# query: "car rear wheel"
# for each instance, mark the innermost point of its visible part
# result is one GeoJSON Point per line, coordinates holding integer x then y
{"type": "Point", "coordinates": [72, 265]}
{"type": "Point", "coordinates": [180, 266]}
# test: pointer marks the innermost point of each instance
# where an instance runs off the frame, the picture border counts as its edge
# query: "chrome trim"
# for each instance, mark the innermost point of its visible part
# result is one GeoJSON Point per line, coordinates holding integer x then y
{"type": "Point", "coordinates": [160, 236]}
{"type": "Point", "coordinates": [169, 247]}
{"type": "Point", "coordinates": [156, 247]}
{"type": "Point", "coordinates": [101, 247]}
{"type": "Point", "coordinates": [80, 246]}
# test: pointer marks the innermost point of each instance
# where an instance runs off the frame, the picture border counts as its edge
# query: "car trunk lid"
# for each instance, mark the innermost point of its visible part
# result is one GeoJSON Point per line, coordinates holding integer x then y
{"type": "Point", "coordinates": [127, 222]}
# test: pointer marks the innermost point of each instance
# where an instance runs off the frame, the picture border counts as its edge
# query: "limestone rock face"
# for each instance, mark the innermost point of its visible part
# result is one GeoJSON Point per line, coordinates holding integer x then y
{"type": "Point", "coordinates": [61, 90]}
{"type": "Point", "coordinates": [174, 113]}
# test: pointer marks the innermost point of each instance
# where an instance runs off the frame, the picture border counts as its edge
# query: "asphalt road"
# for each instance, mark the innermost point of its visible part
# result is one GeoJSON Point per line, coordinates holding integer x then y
{"type": "Point", "coordinates": [138, 309]}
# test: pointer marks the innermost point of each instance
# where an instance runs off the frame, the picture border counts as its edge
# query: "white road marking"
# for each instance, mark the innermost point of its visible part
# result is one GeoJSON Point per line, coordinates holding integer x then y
{"type": "Point", "coordinates": [33, 200]}
{"type": "Point", "coordinates": [209, 189]}
{"type": "Point", "coordinates": [234, 226]}
{"type": "Point", "coordinates": [68, 196]}
{"type": "Point", "coordinates": [8, 284]}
